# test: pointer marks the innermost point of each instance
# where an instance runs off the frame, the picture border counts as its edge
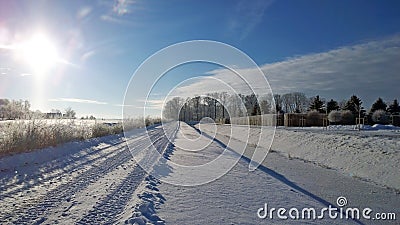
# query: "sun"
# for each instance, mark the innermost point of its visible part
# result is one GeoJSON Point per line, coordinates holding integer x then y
{"type": "Point", "coordinates": [39, 53]}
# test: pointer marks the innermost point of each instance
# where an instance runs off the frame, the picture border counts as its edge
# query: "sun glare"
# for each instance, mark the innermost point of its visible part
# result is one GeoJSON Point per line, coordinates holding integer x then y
{"type": "Point", "coordinates": [40, 53]}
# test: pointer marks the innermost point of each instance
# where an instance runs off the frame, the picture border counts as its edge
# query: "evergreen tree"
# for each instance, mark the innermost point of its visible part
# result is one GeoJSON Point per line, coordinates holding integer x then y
{"type": "Point", "coordinates": [256, 109]}
{"type": "Point", "coordinates": [394, 108]}
{"type": "Point", "coordinates": [332, 105]}
{"type": "Point", "coordinates": [378, 105]}
{"type": "Point", "coordinates": [354, 105]}
{"type": "Point", "coordinates": [317, 104]}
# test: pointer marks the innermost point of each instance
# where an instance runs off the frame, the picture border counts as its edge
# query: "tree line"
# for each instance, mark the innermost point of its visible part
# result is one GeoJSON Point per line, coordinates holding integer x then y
{"type": "Point", "coordinates": [224, 106]}
{"type": "Point", "coordinates": [21, 109]}
{"type": "Point", "coordinates": [216, 106]}
{"type": "Point", "coordinates": [347, 111]}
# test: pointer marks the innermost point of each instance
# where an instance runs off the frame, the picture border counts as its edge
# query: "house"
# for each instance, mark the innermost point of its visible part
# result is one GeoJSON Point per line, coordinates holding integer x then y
{"type": "Point", "coordinates": [54, 115]}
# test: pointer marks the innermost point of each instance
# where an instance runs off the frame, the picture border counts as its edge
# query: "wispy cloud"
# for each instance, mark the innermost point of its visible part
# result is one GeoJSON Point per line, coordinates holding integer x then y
{"type": "Point", "coordinates": [369, 69]}
{"type": "Point", "coordinates": [152, 103]}
{"type": "Point", "coordinates": [85, 56]}
{"type": "Point", "coordinates": [7, 71]}
{"type": "Point", "coordinates": [26, 74]}
{"type": "Point", "coordinates": [4, 70]}
{"type": "Point", "coordinates": [122, 105]}
{"type": "Point", "coordinates": [83, 12]}
{"type": "Point", "coordinates": [118, 11]}
{"type": "Point", "coordinates": [367, 66]}
{"type": "Point", "coordinates": [122, 7]}
{"type": "Point", "coordinates": [5, 47]}
{"type": "Point", "coordinates": [248, 14]}
{"type": "Point", "coordinates": [78, 100]}
{"type": "Point", "coordinates": [113, 19]}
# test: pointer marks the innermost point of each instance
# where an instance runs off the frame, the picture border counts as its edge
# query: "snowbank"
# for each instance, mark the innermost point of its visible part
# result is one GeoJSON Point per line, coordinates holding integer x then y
{"type": "Point", "coordinates": [369, 155]}
{"type": "Point", "coordinates": [382, 127]}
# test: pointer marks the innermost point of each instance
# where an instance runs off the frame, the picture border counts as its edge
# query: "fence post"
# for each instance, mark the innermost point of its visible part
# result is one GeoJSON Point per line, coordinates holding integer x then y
{"type": "Point", "coordinates": [360, 120]}
{"type": "Point", "coordinates": [325, 123]}
{"type": "Point", "coordinates": [302, 121]}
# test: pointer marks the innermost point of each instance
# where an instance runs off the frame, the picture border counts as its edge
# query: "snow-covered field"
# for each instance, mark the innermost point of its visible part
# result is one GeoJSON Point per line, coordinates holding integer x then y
{"type": "Point", "coordinates": [370, 154]}
{"type": "Point", "coordinates": [66, 121]}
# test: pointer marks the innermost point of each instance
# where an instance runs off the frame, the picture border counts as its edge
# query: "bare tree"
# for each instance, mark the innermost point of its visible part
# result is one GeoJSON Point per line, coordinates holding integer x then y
{"type": "Point", "coordinates": [223, 99]}
{"type": "Point", "coordinates": [69, 113]}
{"type": "Point", "coordinates": [171, 108]}
{"type": "Point", "coordinates": [278, 103]}
{"type": "Point", "coordinates": [235, 106]}
{"type": "Point", "coordinates": [295, 102]}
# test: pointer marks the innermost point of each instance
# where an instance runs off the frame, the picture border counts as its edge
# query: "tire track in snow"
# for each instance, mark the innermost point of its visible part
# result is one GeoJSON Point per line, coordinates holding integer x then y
{"type": "Point", "coordinates": [65, 191]}
{"type": "Point", "coordinates": [35, 211]}
{"type": "Point", "coordinates": [107, 210]}
{"type": "Point", "coordinates": [48, 168]}
{"type": "Point", "coordinates": [114, 204]}
{"type": "Point", "coordinates": [39, 180]}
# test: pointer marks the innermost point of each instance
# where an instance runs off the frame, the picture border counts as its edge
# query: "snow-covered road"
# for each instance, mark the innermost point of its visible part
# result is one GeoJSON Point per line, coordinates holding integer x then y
{"type": "Point", "coordinates": [232, 199]}
{"type": "Point", "coordinates": [236, 197]}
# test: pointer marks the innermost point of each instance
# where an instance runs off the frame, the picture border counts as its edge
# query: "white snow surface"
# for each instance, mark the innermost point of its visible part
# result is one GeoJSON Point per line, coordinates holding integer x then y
{"type": "Point", "coordinates": [98, 181]}
{"type": "Point", "coordinates": [233, 198]}
{"type": "Point", "coordinates": [372, 155]}
{"type": "Point", "coordinates": [91, 182]}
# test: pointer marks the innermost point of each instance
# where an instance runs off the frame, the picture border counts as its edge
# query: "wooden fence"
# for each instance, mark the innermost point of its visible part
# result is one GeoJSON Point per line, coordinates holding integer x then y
{"type": "Point", "coordinates": [304, 120]}
{"type": "Point", "coordinates": [293, 120]}
{"type": "Point", "coordinates": [395, 120]}
{"type": "Point", "coordinates": [264, 120]}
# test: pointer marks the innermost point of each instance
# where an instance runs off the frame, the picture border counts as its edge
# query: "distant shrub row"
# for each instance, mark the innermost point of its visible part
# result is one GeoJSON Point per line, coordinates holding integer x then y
{"type": "Point", "coordinates": [347, 117]}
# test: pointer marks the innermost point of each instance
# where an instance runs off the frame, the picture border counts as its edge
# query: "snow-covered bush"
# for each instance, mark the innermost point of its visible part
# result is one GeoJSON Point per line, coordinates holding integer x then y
{"type": "Point", "coordinates": [381, 117]}
{"type": "Point", "coordinates": [314, 118]}
{"type": "Point", "coordinates": [100, 130]}
{"type": "Point", "coordinates": [335, 116]}
{"type": "Point", "coordinates": [151, 121]}
{"type": "Point", "coordinates": [104, 129]}
{"type": "Point", "coordinates": [26, 135]}
{"type": "Point", "coordinates": [20, 136]}
{"type": "Point", "coordinates": [117, 129]}
{"type": "Point", "coordinates": [347, 117]}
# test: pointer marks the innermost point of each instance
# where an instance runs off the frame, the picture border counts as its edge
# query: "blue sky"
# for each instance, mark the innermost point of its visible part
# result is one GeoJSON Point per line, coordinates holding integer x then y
{"type": "Point", "coordinates": [331, 48]}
